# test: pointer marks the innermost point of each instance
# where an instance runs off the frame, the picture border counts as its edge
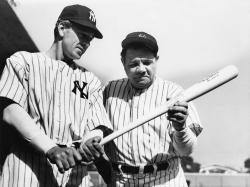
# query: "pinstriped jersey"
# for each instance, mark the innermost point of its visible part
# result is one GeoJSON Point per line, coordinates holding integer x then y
{"type": "Point", "coordinates": [64, 101]}
{"type": "Point", "coordinates": [151, 142]}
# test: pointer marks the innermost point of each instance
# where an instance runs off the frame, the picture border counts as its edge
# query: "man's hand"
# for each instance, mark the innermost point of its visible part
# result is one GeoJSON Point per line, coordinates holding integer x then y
{"type": "Point", "coordinates": [91, 149]}
{"type": "Point", "coordinates": [63, 157]}
{"type": "Point", "coordinates": [178, 114]}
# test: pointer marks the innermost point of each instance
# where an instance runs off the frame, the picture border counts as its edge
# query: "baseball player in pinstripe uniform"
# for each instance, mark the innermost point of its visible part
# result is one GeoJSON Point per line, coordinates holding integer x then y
{"type": "Point", "coordinates": [52, 102]}
{"type": "Point", "coordinates": [148, 155]}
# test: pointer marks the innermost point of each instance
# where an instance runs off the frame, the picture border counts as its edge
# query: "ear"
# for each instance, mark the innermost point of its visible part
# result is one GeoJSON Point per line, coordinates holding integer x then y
{"type": "Point", "coordinates": [156, 58]}
{"type": "Point", "coordinates": [123, 60]}
{"type": "Point", "coordinates": [123, 63]}
{"type": "Point", "coordinates": [61, 29]}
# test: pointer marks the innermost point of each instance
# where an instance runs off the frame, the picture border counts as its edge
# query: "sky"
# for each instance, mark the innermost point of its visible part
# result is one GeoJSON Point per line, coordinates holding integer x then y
{"type": "Point", "coordinates": [195, 38]}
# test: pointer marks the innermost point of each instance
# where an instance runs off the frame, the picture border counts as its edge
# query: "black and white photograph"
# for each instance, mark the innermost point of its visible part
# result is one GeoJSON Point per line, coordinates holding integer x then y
{"type": "Point", "coordinates": [125, 93]}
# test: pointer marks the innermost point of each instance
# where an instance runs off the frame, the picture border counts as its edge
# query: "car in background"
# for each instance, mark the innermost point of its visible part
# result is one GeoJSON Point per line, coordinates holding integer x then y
{"type": "Point", "coordinates": [218, 169]}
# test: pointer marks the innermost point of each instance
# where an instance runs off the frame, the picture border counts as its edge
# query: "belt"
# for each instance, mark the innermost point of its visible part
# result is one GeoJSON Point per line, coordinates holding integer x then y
{"type": "Point", "coordinates": [151, 168]}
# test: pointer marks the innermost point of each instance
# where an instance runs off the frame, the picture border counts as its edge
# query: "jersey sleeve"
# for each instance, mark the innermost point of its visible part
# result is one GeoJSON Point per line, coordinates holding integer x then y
{"type": "Point", "coordinates": [4, 103]}
{"type": "Point", "coordinates": [193, 120]}
{"type": "Point", "coordinates": [14, 79]}
{"type": "Point", "coordinates": [97, 113]}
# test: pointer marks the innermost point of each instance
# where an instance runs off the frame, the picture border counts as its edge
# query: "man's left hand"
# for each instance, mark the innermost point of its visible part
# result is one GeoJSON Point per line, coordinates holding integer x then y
{"type": "Point", "coordinates": [91, 149]}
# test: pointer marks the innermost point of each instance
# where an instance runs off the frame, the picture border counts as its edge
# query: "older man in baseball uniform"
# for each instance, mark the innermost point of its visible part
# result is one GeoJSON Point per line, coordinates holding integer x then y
{"type": "Point", "coordinates": [63, 103]}
{"type": "Point", "coordinates": [148, 155]}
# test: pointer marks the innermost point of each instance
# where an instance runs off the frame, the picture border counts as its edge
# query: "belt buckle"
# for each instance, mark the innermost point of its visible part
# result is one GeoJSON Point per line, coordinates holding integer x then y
{"type": "Point", "coordinates": [141, 171]}
{"type": "Point", "coordinates": [120, 169]}
{"type": "Point", "coordinates": [155, 169]}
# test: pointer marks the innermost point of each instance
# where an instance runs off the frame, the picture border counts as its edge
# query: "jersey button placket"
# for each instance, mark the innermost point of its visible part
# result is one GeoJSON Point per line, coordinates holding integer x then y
{"type": "Point", "coordinates": [134, 134]}
{"type": "Point", "coordinates": [58, 110]}
{"type": "Point", "coordinates": [131, 100]}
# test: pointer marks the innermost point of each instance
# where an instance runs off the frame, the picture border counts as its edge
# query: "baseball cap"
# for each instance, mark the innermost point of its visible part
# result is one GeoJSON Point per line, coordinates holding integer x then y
{"type": "Point", "coordinates": [143, 38]}
{"type": "Point", "coordinates": [81, 16]}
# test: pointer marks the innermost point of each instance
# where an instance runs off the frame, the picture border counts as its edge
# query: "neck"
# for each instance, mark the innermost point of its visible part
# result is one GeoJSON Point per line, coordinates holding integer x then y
{"type": "Point", "coordinates": [56, 52]}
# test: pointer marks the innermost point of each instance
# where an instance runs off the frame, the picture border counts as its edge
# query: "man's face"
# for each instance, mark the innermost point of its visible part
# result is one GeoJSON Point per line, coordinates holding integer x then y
{"type": "Point", "coordinates": [75, 43]}
{"type": "Point", "coordinates": [140, 67]}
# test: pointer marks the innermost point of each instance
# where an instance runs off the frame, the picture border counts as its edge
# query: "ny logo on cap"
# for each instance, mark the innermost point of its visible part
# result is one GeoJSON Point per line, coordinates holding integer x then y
{"type": "Point", "coordinates": [92, 16]}
{"type": "Point", "coordinates": [142, 36]}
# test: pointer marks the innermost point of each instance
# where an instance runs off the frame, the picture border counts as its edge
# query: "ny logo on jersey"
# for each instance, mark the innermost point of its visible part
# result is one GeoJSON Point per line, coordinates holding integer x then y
{"type": "Point", "coordinates": [92, 16]}
{"type": "Point", "coordinates": [78, 87]}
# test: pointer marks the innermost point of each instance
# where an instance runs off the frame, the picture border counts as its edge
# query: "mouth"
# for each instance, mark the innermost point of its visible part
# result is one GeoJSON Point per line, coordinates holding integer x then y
{"type": "Point", "coordinates": [81, 49]}
{"type": "Point", "coordinates": [141, 77]}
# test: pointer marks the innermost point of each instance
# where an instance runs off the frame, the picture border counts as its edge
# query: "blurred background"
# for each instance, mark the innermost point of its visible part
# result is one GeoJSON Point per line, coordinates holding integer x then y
{"type": "Point", "coordinates": [195, 37]}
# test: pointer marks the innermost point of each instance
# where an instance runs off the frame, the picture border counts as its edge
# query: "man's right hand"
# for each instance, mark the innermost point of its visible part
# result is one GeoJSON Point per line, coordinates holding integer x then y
{"type": "Point", "coordinates": [64, 157]}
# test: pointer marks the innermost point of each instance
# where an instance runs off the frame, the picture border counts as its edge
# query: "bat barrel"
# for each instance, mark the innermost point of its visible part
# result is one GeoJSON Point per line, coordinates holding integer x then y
{"type": "Point", "coordinates": [206, 85]}
{"type": "Point", "coordinates": [210, 83]}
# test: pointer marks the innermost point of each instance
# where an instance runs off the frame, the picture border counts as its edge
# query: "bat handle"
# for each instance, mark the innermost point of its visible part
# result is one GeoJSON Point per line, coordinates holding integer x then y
{"type": "Point", "coordinates": [160, 110]}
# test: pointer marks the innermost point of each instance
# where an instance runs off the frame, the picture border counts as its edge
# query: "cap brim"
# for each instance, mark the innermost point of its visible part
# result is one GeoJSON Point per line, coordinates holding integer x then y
{"type": "Point", "coordinates": [93, 28]}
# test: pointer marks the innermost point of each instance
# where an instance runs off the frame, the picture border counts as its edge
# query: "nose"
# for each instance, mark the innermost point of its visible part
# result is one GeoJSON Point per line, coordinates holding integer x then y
{"type": "Point", "coordinates": [84, 42]}
{"type": "Point", "coordinates": [85, 45]}
{"type": "Point", "coordinates": [141, 68]}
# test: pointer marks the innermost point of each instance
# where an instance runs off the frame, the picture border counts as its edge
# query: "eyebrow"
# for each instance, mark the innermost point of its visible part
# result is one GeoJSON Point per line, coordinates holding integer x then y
{"type": "Point", "coordinates": [143, 59]}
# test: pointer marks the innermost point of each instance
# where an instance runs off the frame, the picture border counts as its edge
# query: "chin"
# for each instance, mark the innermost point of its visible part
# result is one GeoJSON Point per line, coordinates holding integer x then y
{"type": "Point", "coordinates": [142, 85]}
{"type": "Point", "coordinates": [77, 54]}
{"type": "Point", "coordinates": [77, 57]}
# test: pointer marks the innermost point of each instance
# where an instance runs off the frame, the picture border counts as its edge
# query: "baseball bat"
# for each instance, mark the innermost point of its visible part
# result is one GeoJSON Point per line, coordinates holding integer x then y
{"type": "Point", "coordinates": [206, 85]}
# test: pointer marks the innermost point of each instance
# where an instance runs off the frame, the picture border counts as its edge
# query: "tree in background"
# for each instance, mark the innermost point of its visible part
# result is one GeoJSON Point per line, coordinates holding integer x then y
{"type": "Point", "coordinates": [247, 165]}
{"type": "Point", "coordinates": [188, 164]}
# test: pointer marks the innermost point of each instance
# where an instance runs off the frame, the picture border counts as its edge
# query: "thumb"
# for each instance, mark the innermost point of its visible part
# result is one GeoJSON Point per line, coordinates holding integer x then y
{"type": "Point", "coordinates": [97, 139]}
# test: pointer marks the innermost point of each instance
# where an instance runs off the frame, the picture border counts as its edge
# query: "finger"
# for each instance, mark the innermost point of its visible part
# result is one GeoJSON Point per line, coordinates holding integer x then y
{"type": "Point", "coordinates": [65, 164]}
{"type": "Point", "coordinates": [76, 155]}
{"type": "Point", "coordinates": [71, 162]}
{"type": "Point", "coordinates": [93, 150]}
{"type": "Point", "coordinates": [177, 120]}
{"type": "Point", "coordinates": [59, 166]}
{"type": "Point", "coordinates": [177, 109]}
{"type": "Point", "coordinates": [83, 154]}
{"type": "Point", "coordinates": [183, 104]}
{"type": "Point", "coordinates": [97, 139]}
{"type": "Point", "coordinates": [86, 163]}
{"type": "Point", "coordinates": [99, 148]}
{"type": "Point", "coordinates": [88, 154]}
{"type": "Point", "coordinates": [178, 116]}
{"type": "Point", "coordinates": [172, 119]}
{"type": "Point", "coordinates": [178, 126]}
{"type": "Point", "coordinates": [70, 158]}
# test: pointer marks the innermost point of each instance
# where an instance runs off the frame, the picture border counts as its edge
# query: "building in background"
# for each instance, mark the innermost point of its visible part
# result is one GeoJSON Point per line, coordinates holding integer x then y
{"type": "Point", "coordinates": [13, 35]}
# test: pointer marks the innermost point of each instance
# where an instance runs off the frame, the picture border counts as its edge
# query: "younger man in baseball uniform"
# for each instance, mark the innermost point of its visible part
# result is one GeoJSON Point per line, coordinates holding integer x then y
{"type": "Point", "coordinates": [64, 103]}
{"type": "Point", "coordinates": [150, 154]}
